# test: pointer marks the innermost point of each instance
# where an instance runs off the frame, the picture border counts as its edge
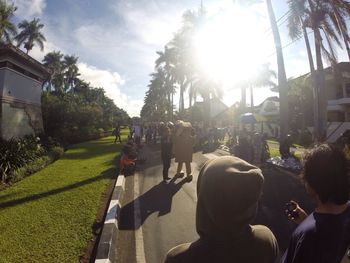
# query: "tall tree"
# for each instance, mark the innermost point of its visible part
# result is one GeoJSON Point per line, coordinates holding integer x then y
{"type": "Point", "coordinates": [7, 28]}
{"type": "Point", "coordinates": [31, 34]}
{"type": "Point", "coordinates": [339, 10]}
{"type": "Point", "coordinates": [263, 77]}
{"type": "Point", "coordinates": [167, 61]}
{"type": "Point", "coordinates": [53, 61]}
{"type": "Point", "coordinates": [71, 72]}
{"type": "Point", "coordinates": [281, 72]}
{"type": "Point", "coordinates": [318, 21]}
{"type": "Point", "coordinates": [282, 78]}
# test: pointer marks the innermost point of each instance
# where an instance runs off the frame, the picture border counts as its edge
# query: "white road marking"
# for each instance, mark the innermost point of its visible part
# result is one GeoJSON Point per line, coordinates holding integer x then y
{"type": "Point", "coordinates": [102, 261]}
{"type": "Point", "coordinates": [140, 250]}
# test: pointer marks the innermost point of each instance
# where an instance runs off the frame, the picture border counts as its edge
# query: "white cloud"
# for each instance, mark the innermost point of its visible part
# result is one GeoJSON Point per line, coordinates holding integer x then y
{"type": "Point", "coordinates": [39, 55]}
{"type": "Point", "coordinates": [111, 83]}
{"type": "Point", "coordinates": [27, 9]}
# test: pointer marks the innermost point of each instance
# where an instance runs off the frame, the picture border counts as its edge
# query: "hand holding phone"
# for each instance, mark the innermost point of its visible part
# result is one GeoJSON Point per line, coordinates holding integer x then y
{"type": "Point", "coordinates": [294, 212]}
{"type": "Point", "coordinates": [291, 210]}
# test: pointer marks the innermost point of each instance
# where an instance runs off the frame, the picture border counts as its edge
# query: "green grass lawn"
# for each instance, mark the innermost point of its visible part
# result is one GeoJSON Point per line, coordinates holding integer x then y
{"type": "Point", "coordinates": [47, 217]}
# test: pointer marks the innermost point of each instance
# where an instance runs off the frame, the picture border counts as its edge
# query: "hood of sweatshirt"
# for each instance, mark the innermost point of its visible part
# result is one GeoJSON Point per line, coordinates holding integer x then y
{"type": "Point", "coordinates": [228, 190]}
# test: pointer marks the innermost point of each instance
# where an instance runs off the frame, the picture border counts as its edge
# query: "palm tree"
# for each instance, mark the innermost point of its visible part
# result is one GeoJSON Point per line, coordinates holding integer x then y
{"type": "Point", "coordinates": [321, 17]}
{"type": "Point", "coordinates": [297, 26]}
{"type": "Point", "coordinates": [167, 61]}
{"type": "Point", "coordinates": [53, 61]}
{"type": "Point", "coordinates": [7, 28]}
{"type": "Point", "coordinates": [262, 78]}
{"type": "Point", "coordinates": [282, 78]}
{"type": "Point", "coordinates": [71, 71]}
{"type": "Point", "coordinates": [339, 10]}
{"type": "Point", "coordinates": [30, 34]}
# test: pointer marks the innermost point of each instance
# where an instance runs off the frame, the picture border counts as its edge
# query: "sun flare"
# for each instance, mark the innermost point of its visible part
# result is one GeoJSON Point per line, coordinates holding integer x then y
{"type": "Point", "coordinates": [230, 45]}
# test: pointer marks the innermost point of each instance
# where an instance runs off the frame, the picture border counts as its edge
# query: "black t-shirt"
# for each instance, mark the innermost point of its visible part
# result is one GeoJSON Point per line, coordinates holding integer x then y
{"type": "Point", "coordinates": [321, 238]}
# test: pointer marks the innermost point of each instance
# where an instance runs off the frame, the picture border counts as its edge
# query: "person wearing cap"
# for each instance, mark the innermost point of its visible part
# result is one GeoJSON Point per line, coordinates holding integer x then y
{"type": "Point", "coordinates": [183, 143]}
{"type": "Point", "coordinates": [228, 190]}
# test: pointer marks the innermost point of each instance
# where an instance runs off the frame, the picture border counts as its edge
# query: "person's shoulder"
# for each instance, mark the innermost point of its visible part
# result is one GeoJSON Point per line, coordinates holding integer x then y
{"type": "Point", "coordinates": [307, 226]}
{"type": "Point", "coordinates": [263, 234]}
{"type": "Point", "coordinates": [264, 244]}
{"type": "Point", "coordinates": [179, 254]}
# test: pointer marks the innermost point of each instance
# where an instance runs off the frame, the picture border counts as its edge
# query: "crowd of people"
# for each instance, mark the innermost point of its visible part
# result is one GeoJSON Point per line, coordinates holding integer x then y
{"type": "Point", "coordinates": [229, 188]}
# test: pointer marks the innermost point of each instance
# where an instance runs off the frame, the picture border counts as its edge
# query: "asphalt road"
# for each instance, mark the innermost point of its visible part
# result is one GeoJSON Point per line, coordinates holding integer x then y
{"type": "Point", "coordinates": [156, 216]}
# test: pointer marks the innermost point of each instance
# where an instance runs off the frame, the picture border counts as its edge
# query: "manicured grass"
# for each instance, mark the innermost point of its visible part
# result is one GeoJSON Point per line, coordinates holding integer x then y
{"type": "Point", "coordinates": [47, 217]}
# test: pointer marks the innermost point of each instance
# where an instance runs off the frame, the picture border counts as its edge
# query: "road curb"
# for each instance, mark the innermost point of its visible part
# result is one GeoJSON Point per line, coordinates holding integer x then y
{"type": "Point", "coordinates": [106, 247]}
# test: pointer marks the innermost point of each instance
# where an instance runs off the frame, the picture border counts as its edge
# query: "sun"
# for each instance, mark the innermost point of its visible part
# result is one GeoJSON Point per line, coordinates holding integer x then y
{"type": "Point", "coordinates": [231, 44]}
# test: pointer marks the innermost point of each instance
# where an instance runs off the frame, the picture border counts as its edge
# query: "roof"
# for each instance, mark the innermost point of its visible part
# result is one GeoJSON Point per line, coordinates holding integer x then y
{"type": "Point", "coordinates": [11, 50]}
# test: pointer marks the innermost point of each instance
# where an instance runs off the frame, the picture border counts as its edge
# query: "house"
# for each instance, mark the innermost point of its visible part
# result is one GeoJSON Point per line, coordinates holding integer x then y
{"type": "Point", "coordinates": [21, 79]}
{"type": "Point", "coordinates": [208, 110]}
{"type": "Point", "coordinates": [338, 99]}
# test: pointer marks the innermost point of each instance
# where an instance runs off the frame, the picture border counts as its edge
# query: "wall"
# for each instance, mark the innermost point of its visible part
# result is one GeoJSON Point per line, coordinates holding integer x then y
{"type": "Point", "coordinates": [21, 87]}
{"type": "Point", "coordinates": [20, 105]}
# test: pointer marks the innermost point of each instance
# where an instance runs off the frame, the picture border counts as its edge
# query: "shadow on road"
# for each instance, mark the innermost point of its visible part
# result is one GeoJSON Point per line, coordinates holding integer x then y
{"type": "Point", "coordinates": [157, 199]}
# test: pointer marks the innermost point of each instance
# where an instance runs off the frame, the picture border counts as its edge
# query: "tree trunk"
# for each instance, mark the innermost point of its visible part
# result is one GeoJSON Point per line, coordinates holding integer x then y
{"type": "Point", "coordinates": [282, 78]}
{"type": "Point", "coordinates": [243, 98]}
{"type": "Point", "coordinates": [190, 95]}
{"type": "Point", "coordinates": [308, 49]}
{"type": "Point", "coordinates": [172, 106]}
{"type": "Point", "coordinates": [181, 102]}
{"type": "Point", "coordinates": [313, 84]}
{"type": "Point", "coordinates": [252, 105]}
{"type": "Point", "coordinates": [320, 128]}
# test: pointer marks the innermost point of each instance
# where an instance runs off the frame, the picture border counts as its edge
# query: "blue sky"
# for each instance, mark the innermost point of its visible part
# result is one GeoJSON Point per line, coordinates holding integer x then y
{"type": "Point", "coordinates": [116, 41]}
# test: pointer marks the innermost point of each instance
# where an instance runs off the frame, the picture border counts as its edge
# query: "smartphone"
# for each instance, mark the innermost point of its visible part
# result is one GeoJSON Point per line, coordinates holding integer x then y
{"type": "Point", "coordinates": [290, 207]}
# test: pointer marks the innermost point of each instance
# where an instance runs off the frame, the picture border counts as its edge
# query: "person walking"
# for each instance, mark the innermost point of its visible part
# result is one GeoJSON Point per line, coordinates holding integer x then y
{"type": "Point", "coordinates": [166, 149]}
{"type": "Point", "coordinates": [183, 148]}
{"type": "Point", "coordinates": [117, 134]}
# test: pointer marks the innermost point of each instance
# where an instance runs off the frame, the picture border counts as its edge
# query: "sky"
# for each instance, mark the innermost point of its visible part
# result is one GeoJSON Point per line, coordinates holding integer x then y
{"type": "Point", "coordinates": [116, 40]}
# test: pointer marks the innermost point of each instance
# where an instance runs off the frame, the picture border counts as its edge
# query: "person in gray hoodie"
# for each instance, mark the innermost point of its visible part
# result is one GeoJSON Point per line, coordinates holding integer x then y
{"type": "Point", "coordinates": [228, 190]}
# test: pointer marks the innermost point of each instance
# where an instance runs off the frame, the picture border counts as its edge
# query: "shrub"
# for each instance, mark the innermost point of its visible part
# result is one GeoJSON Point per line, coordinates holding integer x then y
{"type": "Point", "coordinates": [56, 152]}
{"type": "Point", "coordinates": [30, 168]}
{"type": "Point", "coordinates": [20, 157]}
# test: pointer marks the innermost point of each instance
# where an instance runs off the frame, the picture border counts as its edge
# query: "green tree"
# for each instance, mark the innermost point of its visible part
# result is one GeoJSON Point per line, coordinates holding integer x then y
{"type": "Point", "coordinates": [7, 28]}
{"type": "Point", "coordinates": [167, 61]}
{"type": "Point", "coordinates": [262, 77]}
{"type": "Point", "coordinates": [71, 72]}
{"type": "Point", "coordinates": [53, 61]}
{"type": "Point", "coordinates": [31, 34]}
{"type": "Point", "coordinates": [281, 73]}
{"type": "Point", "coordinates": [325, 19]}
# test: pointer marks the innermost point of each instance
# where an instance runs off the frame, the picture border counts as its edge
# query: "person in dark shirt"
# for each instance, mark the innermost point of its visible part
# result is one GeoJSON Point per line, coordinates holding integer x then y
{"type": "Point", "coordinates": [324, 235]}
{"type": "Point", "coordinates": [166, 149]}
{"type": "Point", "coordinates": [117, 134]}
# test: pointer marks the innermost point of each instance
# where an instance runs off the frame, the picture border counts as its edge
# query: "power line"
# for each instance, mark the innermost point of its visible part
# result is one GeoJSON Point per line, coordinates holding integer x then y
{"type": "Point", "coordinates": [269, 30]}
{"type": "Point", "coordinates": [295, 40]}
{"type": "Point", "coordinates": [290, 43]}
